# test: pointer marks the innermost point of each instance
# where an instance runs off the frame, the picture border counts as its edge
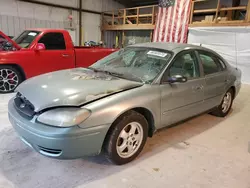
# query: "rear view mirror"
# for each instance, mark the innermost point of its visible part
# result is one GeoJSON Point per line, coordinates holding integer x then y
{"type": "Point", "coordinates": [40, 46]}
{"type": "Point", "coordinates": [177, 78]}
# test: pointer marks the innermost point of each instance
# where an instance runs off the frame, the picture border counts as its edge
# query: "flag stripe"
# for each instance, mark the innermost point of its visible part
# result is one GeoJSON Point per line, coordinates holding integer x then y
{"type": "Point", "coordinates": [156, 31]}
{"type": "Point", "coordinates": [179, 21]}
{"type": "Point", "coordinates": [186, 20]}
{"type": "Point", "coordinates": [167, 24]}
{"type": "Point", "coordinates": [172, 22]}
{"type": "Point", "coordinates": [162, 25]}
{"type": "Point", "coordinates": [183, 31]}
{"type": "Point", "coordinates": [159, 24]}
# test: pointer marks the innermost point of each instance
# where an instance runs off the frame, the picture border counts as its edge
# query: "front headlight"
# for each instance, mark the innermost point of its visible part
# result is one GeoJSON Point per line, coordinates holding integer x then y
{"type": "Point", "coordinates": [64, 117]}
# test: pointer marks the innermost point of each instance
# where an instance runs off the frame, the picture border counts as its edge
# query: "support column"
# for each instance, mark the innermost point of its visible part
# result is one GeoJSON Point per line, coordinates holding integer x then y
{"type": "Point", "coordinates": [80, 23]}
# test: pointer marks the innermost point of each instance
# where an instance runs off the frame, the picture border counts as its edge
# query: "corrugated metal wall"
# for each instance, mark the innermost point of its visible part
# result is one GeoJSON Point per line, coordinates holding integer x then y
{"type": "Point", "coordinates": [109, 38]}
{"type": "Point", "coordinates": [15, 16]}
{"type": "Point", "coordinates": [13, 25]}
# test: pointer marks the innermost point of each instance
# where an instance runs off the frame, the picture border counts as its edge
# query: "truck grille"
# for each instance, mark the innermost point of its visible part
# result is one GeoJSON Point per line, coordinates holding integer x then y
{"type": "Point", "coordinates": [23, 106]}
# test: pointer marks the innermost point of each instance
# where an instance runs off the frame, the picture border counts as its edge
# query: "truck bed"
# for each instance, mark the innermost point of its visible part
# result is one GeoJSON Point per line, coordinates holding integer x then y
{"type": "Point", "coordinates": [86, 56]}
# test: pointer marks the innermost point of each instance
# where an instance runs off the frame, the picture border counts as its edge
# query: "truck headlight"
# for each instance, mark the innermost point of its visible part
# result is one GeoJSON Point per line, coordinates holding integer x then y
{"type": "Point", "coordinates": [64, 117]}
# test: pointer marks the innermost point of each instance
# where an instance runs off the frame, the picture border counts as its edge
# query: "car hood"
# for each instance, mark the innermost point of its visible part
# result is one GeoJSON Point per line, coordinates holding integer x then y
{"type": "Point", "coordinates": [72, 87]}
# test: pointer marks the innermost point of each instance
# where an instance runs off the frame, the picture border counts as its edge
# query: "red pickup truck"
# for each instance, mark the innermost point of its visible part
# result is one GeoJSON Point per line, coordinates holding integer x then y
{"type": "Point", "coordinates": [39, 51]}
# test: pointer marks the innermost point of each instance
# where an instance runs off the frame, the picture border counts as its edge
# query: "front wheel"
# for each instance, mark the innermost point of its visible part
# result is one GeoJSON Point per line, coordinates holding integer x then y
{"type": "Point", "coordinates": [10, 78]}
{"type": "Point", "coordinates": [224, 108]}
{"type": "Point", "coordinates": [127, 139]}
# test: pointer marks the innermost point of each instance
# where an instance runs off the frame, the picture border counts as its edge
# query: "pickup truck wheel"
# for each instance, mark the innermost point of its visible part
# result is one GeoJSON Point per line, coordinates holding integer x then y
{"type": "Point", "coordinates": [126, 139]}
{"type": "Point", "coordinates": [10, 78]}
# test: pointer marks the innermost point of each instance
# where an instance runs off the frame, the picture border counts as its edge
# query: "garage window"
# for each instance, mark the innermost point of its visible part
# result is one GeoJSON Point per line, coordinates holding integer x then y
{"type": "Point", "coordinates": [53, 41]}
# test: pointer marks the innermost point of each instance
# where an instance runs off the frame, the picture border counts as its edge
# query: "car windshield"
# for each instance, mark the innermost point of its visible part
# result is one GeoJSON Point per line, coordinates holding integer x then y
{"type": "Point", "coordinates": [134, 63]}
{"type": "Point", "coordinates": [26, 38]}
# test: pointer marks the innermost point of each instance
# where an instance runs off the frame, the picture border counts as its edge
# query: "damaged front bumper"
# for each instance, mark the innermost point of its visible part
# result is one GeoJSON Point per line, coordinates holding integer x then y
{"type": "Point", "coordinates": [62, 143]}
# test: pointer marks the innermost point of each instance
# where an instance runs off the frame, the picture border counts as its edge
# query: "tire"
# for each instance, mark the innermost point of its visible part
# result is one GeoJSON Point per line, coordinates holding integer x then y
{"type": "Point", "coordinates": [126, 139]}
{"type": "Point", "coordinates": [10, 78]}
{"type": "Point", "coordinates": [224, 108]}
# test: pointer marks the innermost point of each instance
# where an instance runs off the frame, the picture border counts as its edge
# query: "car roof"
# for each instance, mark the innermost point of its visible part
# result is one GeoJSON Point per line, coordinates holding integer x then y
{"type": "Point", "coordinates": [45, 29]}
{"type": "Point", "coordinates": [175, 47]}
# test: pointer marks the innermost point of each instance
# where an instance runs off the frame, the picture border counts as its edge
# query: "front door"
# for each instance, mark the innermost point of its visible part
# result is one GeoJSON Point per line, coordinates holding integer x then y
{"type": "Point", "coordinates": [180, 101]}
{"type": "Point", "coordinates": [56, 56]}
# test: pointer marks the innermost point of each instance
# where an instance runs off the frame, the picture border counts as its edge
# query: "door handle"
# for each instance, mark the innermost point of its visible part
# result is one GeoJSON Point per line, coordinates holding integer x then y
{"type": "Point", "coordinates": [65, 55]}
{"type": "Point", "coordinates": [198, 88]}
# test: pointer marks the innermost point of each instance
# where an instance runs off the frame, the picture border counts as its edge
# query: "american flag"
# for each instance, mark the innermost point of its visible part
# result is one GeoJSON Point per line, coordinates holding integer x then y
{"type": "Point", "coordinates": [172, 21]}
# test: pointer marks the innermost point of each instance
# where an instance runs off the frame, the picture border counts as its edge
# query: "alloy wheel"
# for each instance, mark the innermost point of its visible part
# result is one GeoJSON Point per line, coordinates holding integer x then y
{"type": "Point", "coordinates": [227, 100]}
{"type": "Point", "coordinates": [129, 140]}
{"type": "Point", "coordinates": [8, 80]}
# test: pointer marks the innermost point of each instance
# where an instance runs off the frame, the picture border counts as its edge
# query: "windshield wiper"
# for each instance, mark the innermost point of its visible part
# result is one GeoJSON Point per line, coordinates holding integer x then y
{"type": "Point", "coordinates": [93, 69]}
{"type": "Point", "coordinates": [119, 75]}
{"type": "Point", "coordinates": [106, 72]}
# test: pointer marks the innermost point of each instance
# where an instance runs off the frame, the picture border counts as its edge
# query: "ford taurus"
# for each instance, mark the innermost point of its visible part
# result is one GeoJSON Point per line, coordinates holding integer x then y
{"type": "Point", "coordinates": [116, 103]}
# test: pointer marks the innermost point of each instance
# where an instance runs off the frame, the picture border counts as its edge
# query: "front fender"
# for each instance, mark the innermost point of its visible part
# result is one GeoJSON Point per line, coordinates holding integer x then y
{"type": "Point", "coordinates": [21, 58]}
{"type": "Point", "coordinates": [107, 110]}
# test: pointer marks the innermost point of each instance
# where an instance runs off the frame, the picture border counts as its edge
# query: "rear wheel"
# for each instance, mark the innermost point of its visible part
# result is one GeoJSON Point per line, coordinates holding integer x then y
{"type": "Point", "coordinates": [224, 108]}
{"type": "Point", "coordinates": [10, 78]}
{"type": "Point", "coordinates": [127, 139]}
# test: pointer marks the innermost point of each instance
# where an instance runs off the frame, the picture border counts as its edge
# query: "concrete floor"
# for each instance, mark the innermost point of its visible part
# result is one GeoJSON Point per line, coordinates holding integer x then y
{"type": "Point", "coordinates": [203, 152]}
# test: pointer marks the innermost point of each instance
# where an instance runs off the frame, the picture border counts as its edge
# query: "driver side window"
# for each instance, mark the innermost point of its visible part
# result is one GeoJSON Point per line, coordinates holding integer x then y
{"type": "Point", "coordinates": [53, 41]}
{"type": "Point", "coordinates": [185, 65]}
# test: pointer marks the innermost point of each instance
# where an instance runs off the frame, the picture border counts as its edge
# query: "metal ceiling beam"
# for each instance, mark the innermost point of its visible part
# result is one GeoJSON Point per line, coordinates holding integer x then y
{"type": "Point", "coordinates": [147, 3]}
{"type": "Point", "coordinates": [124, 2]}
{"type": "Point", "coordinates": [133, 3]}
{"type": "Point", "coordinates": [61, 6]}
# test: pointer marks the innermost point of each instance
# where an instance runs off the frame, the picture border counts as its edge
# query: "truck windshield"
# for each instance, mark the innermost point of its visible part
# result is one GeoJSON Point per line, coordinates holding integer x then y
{"type": "Point", "coordinates": [134, 63]}
{"type": "Point", "coordinates": [26, 38]}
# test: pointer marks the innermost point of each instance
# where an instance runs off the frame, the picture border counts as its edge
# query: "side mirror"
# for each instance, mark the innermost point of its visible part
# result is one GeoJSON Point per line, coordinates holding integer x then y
{"type": "Point", "coordinates": [40, 46]}
{"type": "Point", "coordinates": [177, 78]}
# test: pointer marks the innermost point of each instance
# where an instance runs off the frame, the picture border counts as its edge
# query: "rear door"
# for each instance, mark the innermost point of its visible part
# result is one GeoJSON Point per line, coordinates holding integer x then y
{"type": "Point", "coordinates": [215, 78]}
{"type": "Point", "coordinates": [56, 56]}
{"type": "Point", "coordinates": [182, 100]}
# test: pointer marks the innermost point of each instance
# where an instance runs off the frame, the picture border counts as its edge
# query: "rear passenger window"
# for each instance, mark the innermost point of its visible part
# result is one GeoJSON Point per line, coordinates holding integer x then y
{"type": "Point", "coordinates": [53, 41]}
{"type": "Point", "coordinates": [210, 64]}
{"type": "Point", "coordinates": [222, 64]}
